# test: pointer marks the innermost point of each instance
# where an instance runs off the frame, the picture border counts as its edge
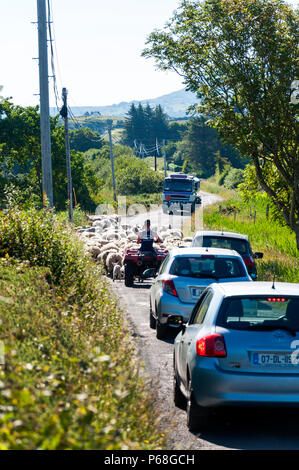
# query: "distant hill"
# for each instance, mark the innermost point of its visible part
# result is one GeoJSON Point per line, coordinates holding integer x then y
{"type": "Point", "coordinates": [174, 104]}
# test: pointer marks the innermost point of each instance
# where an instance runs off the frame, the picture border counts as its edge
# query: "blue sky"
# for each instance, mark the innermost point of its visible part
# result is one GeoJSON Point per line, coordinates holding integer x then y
{"type": "Point", "coordinates": [98, 47]}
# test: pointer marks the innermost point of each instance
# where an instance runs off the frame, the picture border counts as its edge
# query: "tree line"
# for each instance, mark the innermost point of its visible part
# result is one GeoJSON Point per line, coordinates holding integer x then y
{"type": "Point", "coordinates": [241, 57]}
{"type": "Point", "coordinates": [191, 144]}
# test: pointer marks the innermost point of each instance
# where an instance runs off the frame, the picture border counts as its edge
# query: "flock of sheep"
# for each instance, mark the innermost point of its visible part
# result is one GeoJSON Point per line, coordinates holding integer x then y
{"type": "Point", "coordinates": [107, 241]}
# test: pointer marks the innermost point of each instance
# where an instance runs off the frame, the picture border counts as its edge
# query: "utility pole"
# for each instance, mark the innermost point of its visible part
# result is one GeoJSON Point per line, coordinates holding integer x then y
{"type": "Point", "coordinates": [64, 114]}
{"type": "Point", "coordinates": [164, 155]}
{"type": "Point", "coordinates": [156, 154]}
{"type": "Point", "coordinates": [112, 163]}
{"type": "Point", "coordinates": [47, 185]}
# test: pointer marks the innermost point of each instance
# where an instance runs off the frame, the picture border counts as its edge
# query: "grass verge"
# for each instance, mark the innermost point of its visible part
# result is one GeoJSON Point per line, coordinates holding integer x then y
{"type": "Point", "coordinates": [71, 376]}
{"type": "Point", "coordinates": [265, 234]}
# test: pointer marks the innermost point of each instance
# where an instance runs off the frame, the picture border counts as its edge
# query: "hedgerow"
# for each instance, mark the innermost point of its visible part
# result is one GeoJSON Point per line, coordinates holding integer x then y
{"type": "Point", "coordinates": [71, 375]}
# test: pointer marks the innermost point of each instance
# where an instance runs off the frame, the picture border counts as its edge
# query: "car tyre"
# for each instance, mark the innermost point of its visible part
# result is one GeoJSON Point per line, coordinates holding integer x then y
{"type": "Point", "coordinates": [197, 416]}
{"type": "Point", "coordinates": [160, 330]}
{"type": "Point", "coordinates": [178, 397]}
{"type": "Point", "coordinates": [152, 319]}
{"type": "Point", "coordinates": [129, 275]}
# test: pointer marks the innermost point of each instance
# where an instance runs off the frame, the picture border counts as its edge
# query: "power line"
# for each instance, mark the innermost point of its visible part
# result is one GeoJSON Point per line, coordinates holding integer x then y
{"type": "Point", "coordinates": [51, 40]}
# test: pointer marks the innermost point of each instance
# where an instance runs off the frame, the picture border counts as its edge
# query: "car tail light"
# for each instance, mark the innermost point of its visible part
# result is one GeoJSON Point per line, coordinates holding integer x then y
{"type": "Point", "coordinates": [248, 260]}
{"type": "Point", "coordinates": [211, 346]}
{"type": "Point", "coordinates": [169, 287]}
{"type": "Point", "coordinates": [168, 198]}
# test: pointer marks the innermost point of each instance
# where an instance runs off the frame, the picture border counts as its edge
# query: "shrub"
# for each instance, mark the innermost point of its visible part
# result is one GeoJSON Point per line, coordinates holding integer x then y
{"type": "Point", "coordinates": [234, 177]}
{"type": "Point", "coordinates": [44, 240]}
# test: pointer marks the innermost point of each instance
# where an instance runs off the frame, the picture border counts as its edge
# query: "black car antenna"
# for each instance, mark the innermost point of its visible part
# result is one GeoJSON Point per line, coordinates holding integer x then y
{"type": "Point", "coordinates": [273, 285]}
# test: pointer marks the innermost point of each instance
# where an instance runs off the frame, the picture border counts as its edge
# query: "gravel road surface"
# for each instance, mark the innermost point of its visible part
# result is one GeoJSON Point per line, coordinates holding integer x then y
{"type": "Point", "coordinates": [233, 429]}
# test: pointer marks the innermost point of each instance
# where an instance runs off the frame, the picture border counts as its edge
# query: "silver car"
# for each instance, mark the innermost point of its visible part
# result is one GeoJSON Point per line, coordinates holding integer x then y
{"type": "Point", "coordinates": [231, 241]}
{"type": "Point", "coordinates": [184, 275]}
{"type": "Point", "coordinates": [239, 348]}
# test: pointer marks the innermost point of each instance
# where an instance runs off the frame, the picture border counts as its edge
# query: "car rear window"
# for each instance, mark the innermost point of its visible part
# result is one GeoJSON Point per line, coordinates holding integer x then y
{"type": "Point", "coordinates": [241, 246]}
{"type": "Point", "coordinates": [207, 267]}
{"type": "Point", "coordinates": [260, 313]}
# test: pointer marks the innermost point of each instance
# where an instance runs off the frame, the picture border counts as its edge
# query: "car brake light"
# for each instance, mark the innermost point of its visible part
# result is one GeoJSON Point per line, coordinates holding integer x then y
{"type": "Point", "coordinates": [248, 261]}
{"type": "Point", "coordinates": [211, 346]}
{"type": "Point", "coordinates": [168, 198]}
{"type": "Point", "coordinates": [169, 287]}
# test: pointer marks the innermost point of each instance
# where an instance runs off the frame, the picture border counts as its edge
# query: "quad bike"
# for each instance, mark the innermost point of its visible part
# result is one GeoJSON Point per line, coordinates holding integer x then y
{"type": "Point", "coordinates": [137, 262]}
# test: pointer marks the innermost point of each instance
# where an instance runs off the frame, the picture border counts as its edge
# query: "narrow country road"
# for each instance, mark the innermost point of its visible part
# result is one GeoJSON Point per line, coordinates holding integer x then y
{"type": "Point", "coordinates": [253, 429]}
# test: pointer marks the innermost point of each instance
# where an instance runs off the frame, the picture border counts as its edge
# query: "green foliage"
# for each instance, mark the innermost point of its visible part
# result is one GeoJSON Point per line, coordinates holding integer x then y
{"type": "Point", "coordinates": [40, 237]}
{"type": "Point", "coordinates": [266, 235]}
{"type": "Point", "coordinates": [202, 149]}
{"type": "Point", "coordinates": [20, 158]}
{"type": "Point", "coordinates": [234, 177]}
{"type": "Point", "coordinates": [83, 139]}
{"type": "Point", "coordinates": [70, 379]}
{"type": "Point", "coordinates": [240, 57]}
{"type": "Point", "coordinates": [144, 125]}
{"type": "Point", "coordinates": [133, 175]}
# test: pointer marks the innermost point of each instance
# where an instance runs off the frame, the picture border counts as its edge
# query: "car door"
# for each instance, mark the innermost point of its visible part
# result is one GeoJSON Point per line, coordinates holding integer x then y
{"type": "Point", "coordinates": [157, 283]}
{"type": "Point", "coordinates": [195, 323]}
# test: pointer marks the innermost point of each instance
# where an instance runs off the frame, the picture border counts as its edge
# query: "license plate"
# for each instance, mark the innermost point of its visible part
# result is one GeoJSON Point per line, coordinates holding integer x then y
{"type": "Point", "coordinates": [195, 292]}
{"type": "Point", "coordinates": [277, 359]}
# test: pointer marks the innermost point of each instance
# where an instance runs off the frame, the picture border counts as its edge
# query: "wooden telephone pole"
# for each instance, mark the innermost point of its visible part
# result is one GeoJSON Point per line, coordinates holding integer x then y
{"type": "Point", "coordinates": [47, 184]}
{"type": "Point", "coordinates": [112, 163]}
{"type": "Point", "coordinates": [64, 114]}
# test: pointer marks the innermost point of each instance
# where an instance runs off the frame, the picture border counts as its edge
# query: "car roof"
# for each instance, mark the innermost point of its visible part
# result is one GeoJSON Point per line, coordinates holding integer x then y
{"type": "Point", "coordinates": [218, 233]}
{"type": "Point", "coordinates": [230, 289]}
{"type": "Point", "coordinates": [191, 251]}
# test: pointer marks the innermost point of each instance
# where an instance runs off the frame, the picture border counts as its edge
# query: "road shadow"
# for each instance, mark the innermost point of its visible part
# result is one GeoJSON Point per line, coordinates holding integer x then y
{"type": "Point", "coordinates": [141, 285]}
{"type": "Point", "coordinates": [170, 336]}
{"type": "Point", "coordinates": [254, 429]}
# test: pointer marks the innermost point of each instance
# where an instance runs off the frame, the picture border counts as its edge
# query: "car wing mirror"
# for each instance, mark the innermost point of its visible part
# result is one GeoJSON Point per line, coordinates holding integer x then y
{"type": "Point", "coordinates": [176, 320]}
{"type": "Point", "coordinates": [258, 255]}
{"type": "Point", "coordinates": [149, 273]}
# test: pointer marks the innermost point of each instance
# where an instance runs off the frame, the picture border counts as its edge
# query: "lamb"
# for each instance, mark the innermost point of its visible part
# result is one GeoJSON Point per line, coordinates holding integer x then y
{"type": "Point", "coordinates": [111, 260]}
{"type": "Point", "coordinates": [118, 272]}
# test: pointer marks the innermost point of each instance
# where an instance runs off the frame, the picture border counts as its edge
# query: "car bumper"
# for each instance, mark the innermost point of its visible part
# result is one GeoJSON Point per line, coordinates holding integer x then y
{"type": "Point", "coordinates": [171, 305]}
{"type": "Point", "coordinates": [215, 387]}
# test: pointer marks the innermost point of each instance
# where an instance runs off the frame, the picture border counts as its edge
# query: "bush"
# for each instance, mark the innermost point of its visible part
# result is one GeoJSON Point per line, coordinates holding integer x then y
{"type": "Point", "coordinates": [234, 177]}
{"type": "Point", "coordinates": [71, 380]}
{"type": "Point", "coordinates": [44, 240]}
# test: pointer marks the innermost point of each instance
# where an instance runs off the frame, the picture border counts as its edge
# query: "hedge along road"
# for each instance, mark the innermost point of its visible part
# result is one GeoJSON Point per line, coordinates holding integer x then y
{"type": "Point", "coordinates": [263, 428]}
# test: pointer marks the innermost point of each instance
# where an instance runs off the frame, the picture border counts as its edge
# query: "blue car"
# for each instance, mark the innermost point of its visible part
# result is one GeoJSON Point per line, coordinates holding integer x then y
{"type": "Point", "coordinates": [240, 347]}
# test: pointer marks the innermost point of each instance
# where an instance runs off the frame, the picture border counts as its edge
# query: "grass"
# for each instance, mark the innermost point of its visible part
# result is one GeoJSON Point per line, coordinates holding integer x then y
{"type": "Point", "coordinates": [71, 376]}
{"type": "Point", "coordinates": [266, 235]}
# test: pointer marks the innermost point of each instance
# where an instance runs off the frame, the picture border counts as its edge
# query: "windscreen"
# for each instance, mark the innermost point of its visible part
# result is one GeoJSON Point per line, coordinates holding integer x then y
{"type": "Point", "coordinates": [207, 267]}
{"type": "Point", "coordinates": [260, 313]}
{"type": "Point", "coordinates": [239, 245]}
{"type": "Point", "coordinates": [177, 185]}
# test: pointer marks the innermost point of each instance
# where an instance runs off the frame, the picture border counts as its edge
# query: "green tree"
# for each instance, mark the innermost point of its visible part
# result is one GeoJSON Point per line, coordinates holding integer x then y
{"type": "Point", "coordinates": [20, 157]}
{"type": "Point", "coordinates": [240, 57]}
{"type": "Point", "coordinates": [84, 139]}
{"type": "Point", "coordinates": [144, 125]}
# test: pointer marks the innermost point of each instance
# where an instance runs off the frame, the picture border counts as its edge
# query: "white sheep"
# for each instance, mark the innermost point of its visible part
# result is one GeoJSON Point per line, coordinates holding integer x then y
{"type": "Point", "coordinates": [118, 272]}
{"type": "Point", "coordinates": [113, 259]}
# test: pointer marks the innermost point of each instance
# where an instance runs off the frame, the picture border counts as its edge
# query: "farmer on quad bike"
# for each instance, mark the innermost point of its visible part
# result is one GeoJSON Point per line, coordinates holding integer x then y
{"type": "Point", "coordinates": [146, 257]}
{"type": "Point", "coordinates": [147, 237]}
